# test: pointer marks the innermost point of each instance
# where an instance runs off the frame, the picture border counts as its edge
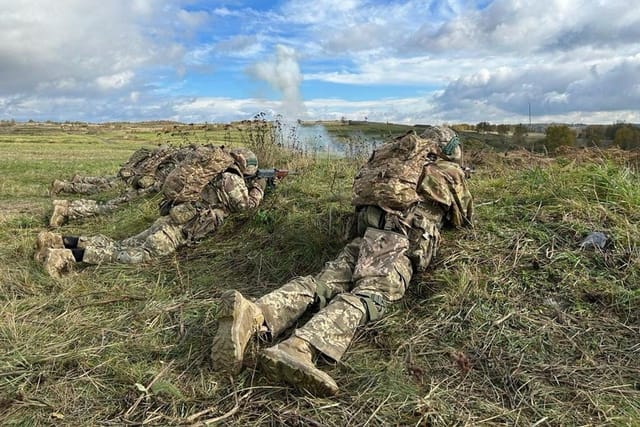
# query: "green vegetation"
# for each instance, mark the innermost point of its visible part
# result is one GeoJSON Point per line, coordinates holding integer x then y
{"type": "Point", "coordinates": [513, 325]}
{"type": "Point", "coordinates": [559, 136]}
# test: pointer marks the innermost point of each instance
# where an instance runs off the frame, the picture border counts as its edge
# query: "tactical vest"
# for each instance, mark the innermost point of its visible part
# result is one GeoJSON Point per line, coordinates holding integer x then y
{"type": "Point", "coordinates": [186, 181]}
{"type": "Point", "coordinates": [391, 176]}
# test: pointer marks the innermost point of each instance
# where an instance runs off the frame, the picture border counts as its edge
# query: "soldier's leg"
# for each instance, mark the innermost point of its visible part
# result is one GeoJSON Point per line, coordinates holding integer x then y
{"type": "Point", "coordinates": [63, 210]}
{"type": "Point", "coordinates": [381, 275]}
{"type": "Point", "coordinates": [75, 188]}
{"type": "Point", "coordinates": [276, 311]}
{"type": "Point", "coordinates": [102, 182]}
{"type": "Point", "coordinates": [97, 249]}
{"type": "Point", "coordinates": [161, 238]}
{"type": "Point", "coordinates": [84, 208]}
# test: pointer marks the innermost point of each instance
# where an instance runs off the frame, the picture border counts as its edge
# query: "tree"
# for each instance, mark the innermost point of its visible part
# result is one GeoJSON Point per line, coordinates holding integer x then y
{"type": "Point", "coordinates": [594, 134]}
{"type": "Point", "coordinates": [520, 133]}
{"type": "Point", "coordinates": [483, 127]}
{"type": "Point", "coordinates": [627, 137]}
{"type": "Point", "coordinates": [559, 136]}
{"type": "Point", "coordinates": [503, 129]}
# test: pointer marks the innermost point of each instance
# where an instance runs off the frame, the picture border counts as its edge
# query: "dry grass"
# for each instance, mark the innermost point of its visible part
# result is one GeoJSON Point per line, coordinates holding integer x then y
{"type": "Point", "coordinates": [513, 325]}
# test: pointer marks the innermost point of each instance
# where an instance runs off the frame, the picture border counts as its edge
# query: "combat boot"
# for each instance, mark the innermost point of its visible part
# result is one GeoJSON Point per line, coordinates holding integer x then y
{"type": "Point", "coordinates": [56, 187]}
{"type": "Point", "coordinates": [60, 213]}
{"type": "Point", "coordinates": [59, 261]}
{"type": "Point", "coordinates": [291, 361]}
{"type": "Point", "coordinates": [240, 319]}
{"type": "Point", "coordinates": [47, 240]}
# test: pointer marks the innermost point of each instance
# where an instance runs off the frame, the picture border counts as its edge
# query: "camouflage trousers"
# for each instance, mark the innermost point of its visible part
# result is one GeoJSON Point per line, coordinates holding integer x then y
{"type": "Point", "coordinates": [87, 184]}
{"type": "Point", "coordinates": [369, 273]}
{"type": "Point", "coordinates": [163, 237]}
{"type": "Point", "coordinates": [83, 208]}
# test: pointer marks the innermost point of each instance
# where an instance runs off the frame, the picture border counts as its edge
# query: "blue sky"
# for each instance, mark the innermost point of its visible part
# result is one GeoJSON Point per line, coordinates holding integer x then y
{"type": "Point", "coordinates": [400, 61]}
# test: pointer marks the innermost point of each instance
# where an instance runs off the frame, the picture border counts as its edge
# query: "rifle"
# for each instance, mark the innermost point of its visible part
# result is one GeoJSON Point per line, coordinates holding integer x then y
{"type": "Point", "coordinates": [272, 175]}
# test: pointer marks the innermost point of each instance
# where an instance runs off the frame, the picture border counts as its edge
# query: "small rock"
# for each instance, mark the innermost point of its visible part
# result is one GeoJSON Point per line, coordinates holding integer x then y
{"type": "Point", "coordinates": [595, 240]}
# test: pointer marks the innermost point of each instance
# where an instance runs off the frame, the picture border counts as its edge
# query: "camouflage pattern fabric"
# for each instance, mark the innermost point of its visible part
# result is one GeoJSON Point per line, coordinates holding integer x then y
{"type": "Point", "coordinates": [154, 170]}
{"type": "Point", "coordinates": [230, 190]}
{"type": "Point", "coordinates": [282, 307]}
{"type": "Point", "coordinates": [398, 240]}
{"type": "Point", "coordinates": [383, 267]}
{"type": "Point", "coordinates": [447, 142]}
{"type": "Point", "coordinates": [186, 182]}
{"type": "Point", "coordinates": [127, 170]}
{"type": "Point", "coordinates": [444, 182]}
{"type": "Point", "coordinates": [83, 208]}
{"type": "Point", "coordinates": [331, 330]}
{"type": "Point", "coordinates": [86, 184]}
{"type": "Point", "coordinates": [162, 238]}
{"type": "Point", "coordinates": [185, 224]}
{"type": "Point", "coordinates": [145, 177]}
{"type": "Point", "coordinates": [95, 184]}
{"type": "Point", "coordinates": [391, 176]}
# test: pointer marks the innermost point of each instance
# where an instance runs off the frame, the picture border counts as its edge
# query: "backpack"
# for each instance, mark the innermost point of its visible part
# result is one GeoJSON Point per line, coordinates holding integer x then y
{"type": "Point", "coordinates": [127, 170]}
{"type": "Point", "coordinates": [390, 178]}
{"type": "Point", "coordinates": [188, 179]}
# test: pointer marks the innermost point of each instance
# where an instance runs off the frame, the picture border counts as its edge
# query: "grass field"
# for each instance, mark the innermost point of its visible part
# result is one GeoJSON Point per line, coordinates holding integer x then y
{"type": "Point", "coordinates": [512, 325]}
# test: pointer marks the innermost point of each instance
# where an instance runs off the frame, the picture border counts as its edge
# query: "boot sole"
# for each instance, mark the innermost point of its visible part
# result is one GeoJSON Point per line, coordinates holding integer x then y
{"type": "Point", "coordinates": [223, 354]}
{"type": "Point", "coordinates": [280, 366]}
{"type": "Point", "coordinates": [229, 344]}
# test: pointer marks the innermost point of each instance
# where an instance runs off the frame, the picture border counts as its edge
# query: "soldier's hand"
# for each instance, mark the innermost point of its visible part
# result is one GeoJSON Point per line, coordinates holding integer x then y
{"type": "Point", "coordinates": [260, 183]}
{"type": "Point", "coordinates": [467, 172]}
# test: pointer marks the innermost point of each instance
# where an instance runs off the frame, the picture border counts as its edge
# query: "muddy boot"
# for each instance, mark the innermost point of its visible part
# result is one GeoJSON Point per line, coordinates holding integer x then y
{"type": "Point", "coordinates": [239, 320]}
{"type": "Point", "coordinates": [59, 261]}
{"type": "Point", "coordinates": [60, 213]}
{"type": "Point", "coordinates": [47, 240]}
{"type": "Point", "coordinates": [291, 361]}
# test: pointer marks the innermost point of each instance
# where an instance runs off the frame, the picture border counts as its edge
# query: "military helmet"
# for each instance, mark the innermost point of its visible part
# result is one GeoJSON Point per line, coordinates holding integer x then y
{"type": "Point", "coordinates": [449, 147]}
{"type": "Point", "coordinates": [245, 160]}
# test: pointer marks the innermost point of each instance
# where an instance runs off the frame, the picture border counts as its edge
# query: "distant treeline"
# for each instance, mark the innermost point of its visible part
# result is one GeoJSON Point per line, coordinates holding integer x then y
{"type": "Point", "coordinates": [623, 135]}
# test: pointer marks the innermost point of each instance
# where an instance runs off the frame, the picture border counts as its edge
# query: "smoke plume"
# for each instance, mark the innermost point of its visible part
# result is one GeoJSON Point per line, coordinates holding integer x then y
{"type": "Point", "coordinates": [282, 73]}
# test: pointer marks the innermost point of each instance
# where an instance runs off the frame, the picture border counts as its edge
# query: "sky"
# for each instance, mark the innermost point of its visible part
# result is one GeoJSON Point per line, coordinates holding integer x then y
{"type": "Point", "coordinates": [414, 62]}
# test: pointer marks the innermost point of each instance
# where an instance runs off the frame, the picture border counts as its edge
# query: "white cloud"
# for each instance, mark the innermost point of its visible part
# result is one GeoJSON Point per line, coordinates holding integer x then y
{"type": "Point", "coordinates": [319, 11]}
{"type": "Point", "coordinates": [242, 46]}
{"type": "Point", "coordinates": [80, 41]}
{"type": "Point", "coordinates": [115, 81]}
{"type": "Point", "coordinates": [138, 59]}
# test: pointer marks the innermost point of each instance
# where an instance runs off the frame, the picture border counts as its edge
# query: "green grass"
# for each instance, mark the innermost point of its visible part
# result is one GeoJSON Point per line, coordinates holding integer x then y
{"type": "Point", "coordinates": [512, 325]}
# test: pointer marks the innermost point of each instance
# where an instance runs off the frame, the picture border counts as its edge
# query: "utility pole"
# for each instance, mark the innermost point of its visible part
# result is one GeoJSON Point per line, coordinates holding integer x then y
{"type": "Point", "coordinates": [530, 117]}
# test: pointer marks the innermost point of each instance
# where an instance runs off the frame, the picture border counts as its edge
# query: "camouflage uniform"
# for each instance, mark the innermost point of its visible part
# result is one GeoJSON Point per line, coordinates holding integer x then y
{"type": "Point", "coordinates": [144, 175]}
{"type": "Point", "coordinates": [186, 223]}
{"type": "Point", "coordinates": [85, 184]}
{"type": "Point", "coordinates": [95, 184]}
{"type": "Point", "coordinates": [396, 239]}
{"type": "Point", "coordinates": [191, 210]}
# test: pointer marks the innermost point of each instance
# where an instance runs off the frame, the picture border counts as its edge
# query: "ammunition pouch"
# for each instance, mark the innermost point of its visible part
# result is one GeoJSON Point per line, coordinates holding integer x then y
{"type": "Point", "coordinates": [370, 216]}
{"type": "Point", "coordinates": [144, 181]}
{"type": "Point", "coordinates": [374, 305]}
{"type": "Point", "coordinates": [182, 213]}
{"type": "Point", "coordinates": [323, 295]}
